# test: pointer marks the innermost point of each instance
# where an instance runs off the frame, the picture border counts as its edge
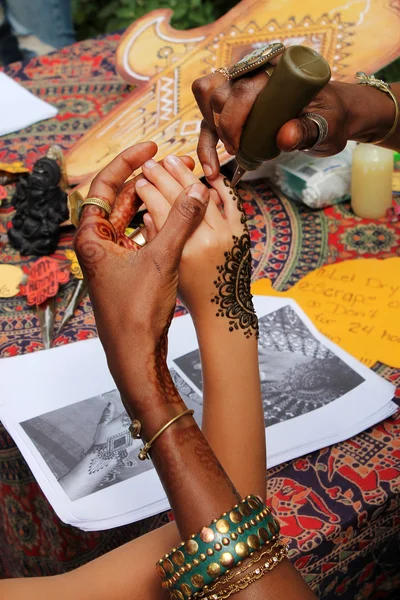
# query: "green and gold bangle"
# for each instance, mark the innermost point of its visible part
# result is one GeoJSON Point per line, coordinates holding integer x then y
{"type": "Point", "coordinates": [216, 549]}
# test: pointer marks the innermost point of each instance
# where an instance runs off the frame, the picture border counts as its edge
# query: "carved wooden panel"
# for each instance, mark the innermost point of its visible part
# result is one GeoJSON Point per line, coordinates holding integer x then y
{"type": "Point", "coordinates": [163, 62]}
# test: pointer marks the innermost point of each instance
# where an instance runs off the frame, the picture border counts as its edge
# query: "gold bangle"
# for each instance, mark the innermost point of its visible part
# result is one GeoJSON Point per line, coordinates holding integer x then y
{"type": "Point", "coordinates": [96, 202]}
{"type": "Point", "coordinates": [250, 578]}
{"type": "Point", "coordinates": [135, 427]}
{"type": "Point", "coordinates": [364, 79]}
{"type": "Point", "coordinates": [204, 594]}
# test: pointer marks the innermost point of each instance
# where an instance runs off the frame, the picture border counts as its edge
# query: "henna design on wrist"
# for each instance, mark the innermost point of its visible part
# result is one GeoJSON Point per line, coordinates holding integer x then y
{"type": "Point", "coordinates": [90, 252]}
{"type": "Point", "coordinates": [233, 298]}
{"type": "Point", "coordinates": [206, 460]}
{"type": "Point", "coordinates": [159, 373]}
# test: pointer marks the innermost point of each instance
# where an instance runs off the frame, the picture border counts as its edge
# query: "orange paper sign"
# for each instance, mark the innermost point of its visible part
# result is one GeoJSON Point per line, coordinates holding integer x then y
{"type": "Point", "coordinates": [44, 278]}
{"type": "Point", "coordinates": [356, 304]}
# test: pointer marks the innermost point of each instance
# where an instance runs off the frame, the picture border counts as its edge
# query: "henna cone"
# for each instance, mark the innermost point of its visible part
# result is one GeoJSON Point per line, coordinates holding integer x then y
{"type": "Point", "coordinates": [78, 294]}
{"type": "Point", "coordinates": [47, 313]}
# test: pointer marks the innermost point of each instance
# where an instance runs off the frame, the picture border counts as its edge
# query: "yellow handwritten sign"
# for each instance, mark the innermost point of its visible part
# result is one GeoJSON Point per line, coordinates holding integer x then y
{"type": "Point", "coordinates": [10, 278]}
{"type": "Point", "coordinates": [356, 304]}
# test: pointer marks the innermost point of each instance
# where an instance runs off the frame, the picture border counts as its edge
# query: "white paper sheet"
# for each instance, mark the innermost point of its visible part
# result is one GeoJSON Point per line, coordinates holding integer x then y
{"type": "Point", "coordinates": [19, 108]}
{"type": "Point", "coordinates": [66, 381]}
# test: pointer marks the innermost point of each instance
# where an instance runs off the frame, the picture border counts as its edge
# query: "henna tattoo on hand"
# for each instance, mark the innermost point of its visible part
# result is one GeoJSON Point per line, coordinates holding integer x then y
{"type": "Point", "coordinates": [115, 448]}
{"type": "Point", "coordinates": [91, 233]}
{"type": "Point", "coordinates": [233, 298]}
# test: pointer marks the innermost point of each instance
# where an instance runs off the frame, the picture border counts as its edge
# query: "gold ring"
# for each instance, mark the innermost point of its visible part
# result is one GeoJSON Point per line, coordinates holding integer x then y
{"type": "Point", "coordinates": [96, 202]}
{"type": "Point", "coordinates": [223, 70]}
{"type": "Point", "coordinates": [216, 117]}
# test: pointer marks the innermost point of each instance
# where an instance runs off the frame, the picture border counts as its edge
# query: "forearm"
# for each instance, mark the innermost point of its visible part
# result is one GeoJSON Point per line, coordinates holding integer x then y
{"type": "Point", "coordinates": [197, 487]}
{"type": "Point", "coordinates": [371, 113]}
{"type": "Point", "coordinates": [233, 417]}
{"type": "Point", "coordinates": [180, 450]}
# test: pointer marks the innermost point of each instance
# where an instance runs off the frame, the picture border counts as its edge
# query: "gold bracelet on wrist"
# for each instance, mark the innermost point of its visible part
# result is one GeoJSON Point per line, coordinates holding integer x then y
{"type": "Point", "coordinates": [135, 430]}
{"type": "Point", "coordinates": [270, 551]}
{"type": "Point", "coordinates": [276, 557]}
{"type": "Point", "coordinates": [364, 79]}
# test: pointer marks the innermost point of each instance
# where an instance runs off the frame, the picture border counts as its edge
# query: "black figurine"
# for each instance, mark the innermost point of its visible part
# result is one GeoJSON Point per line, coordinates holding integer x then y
{"type": "Point", "coordinates": [41, 206]}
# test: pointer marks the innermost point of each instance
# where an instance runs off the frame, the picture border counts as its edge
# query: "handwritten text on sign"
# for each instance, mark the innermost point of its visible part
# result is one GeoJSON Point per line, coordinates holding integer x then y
{"type": "Point", "coordinates": [355, 303]}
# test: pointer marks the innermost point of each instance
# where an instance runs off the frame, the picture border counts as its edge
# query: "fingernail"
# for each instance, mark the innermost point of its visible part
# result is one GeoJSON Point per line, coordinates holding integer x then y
{"type": "Point", "coordinates": [207, 170]}
{"type": "Point", "coordinates": [149, 164]}
{"type": "Point", "coordinates": [173, 160]}
{"type": "Point", "coordinates": [141, 182]}
{"type": "Point", "coordinates": [200, 192]}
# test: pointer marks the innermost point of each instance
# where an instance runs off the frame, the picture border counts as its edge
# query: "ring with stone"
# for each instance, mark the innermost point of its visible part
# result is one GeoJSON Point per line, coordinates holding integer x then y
{"type": "Point", "coordinates": [323, 128]}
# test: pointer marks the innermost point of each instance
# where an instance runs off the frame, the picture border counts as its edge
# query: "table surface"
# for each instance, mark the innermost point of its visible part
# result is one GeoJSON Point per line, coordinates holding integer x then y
{"type": "Point", "coordinates": [339, 507]}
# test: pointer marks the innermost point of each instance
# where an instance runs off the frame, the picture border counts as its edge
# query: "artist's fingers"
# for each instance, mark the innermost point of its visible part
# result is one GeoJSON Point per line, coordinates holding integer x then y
{"type": "Point", "coordinates": [108, 182]}
{"type": "Point", "coordinates": [234, 104]}
{"type": "Point", "coordinates": [185, 216]}
{"type": "Point", "coordinates": [207, 150]}
{"type": "Point", "coordinates": [297, 134]}
{"type": "Point", "coordinates": [232, 205]}
{"type": "Point", "coordinates": [203, 89]}
{"type": "Point", "coordinates": [155, 202]}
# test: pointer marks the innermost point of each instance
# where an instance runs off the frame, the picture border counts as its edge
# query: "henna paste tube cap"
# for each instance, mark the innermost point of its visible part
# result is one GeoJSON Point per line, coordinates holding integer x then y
{"type": "Point", "coordinates": [299, 75]}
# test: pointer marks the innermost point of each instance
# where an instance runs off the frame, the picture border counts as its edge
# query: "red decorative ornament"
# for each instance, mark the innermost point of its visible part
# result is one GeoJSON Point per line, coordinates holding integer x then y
{"type": "Point", "coordinates": [44, 278]}
{"type": "Point", "coordinates": [3, 193]}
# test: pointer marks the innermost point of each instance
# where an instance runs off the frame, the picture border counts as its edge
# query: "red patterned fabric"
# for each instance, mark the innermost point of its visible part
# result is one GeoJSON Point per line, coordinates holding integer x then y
{"type": "Point", "coordinates": [339, 507]}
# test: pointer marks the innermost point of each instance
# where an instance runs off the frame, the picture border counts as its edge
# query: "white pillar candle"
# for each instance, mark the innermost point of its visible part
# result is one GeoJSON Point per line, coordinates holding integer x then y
{"type": "Point", "coordinates": [371, 181]}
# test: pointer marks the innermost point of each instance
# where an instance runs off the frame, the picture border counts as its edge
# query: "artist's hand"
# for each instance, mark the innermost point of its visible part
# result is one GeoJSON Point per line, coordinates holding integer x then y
{"type": "Point", "coordinates": [233, 101]}
{"type": "Point", "coordinates": [214, 273]}
{"type": "Point", "coordinates": [133, 292]}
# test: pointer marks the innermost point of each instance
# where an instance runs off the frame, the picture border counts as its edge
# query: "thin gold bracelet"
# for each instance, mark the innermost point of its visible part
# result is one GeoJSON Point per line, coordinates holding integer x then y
{"type": "Point", "coordinates": [229, 575]}
{"type": "Point", "coordinates": [136, 427]}
{"type": "Point", "coordinates": [250, 578]}
{"type": "Point", "coordinates": [364, 79]}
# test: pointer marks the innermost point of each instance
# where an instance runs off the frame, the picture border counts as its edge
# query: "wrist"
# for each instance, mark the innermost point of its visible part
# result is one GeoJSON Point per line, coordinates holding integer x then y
{"type": "Point", "coordinates": [370, 112]}
{"type": "Point", "coordinates": [147, 391]}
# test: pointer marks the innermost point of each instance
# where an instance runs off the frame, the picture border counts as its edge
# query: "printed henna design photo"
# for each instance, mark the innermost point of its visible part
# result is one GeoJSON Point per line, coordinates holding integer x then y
{"type": "Point", "coordinates": [65, 436]}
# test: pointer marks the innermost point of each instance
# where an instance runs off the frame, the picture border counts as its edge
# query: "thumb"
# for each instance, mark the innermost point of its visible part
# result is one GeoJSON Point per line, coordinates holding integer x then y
{"type": "Point", "coordinates": [297, 134]}
{"type": "Point", "coordinates": [185, 216]}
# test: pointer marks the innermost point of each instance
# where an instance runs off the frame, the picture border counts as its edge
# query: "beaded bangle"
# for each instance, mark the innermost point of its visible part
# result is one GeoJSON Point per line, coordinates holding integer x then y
{"type": "Point", "coordinates": [196, 564]}
{"type": "Point", "coordinates": [279, 554]}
